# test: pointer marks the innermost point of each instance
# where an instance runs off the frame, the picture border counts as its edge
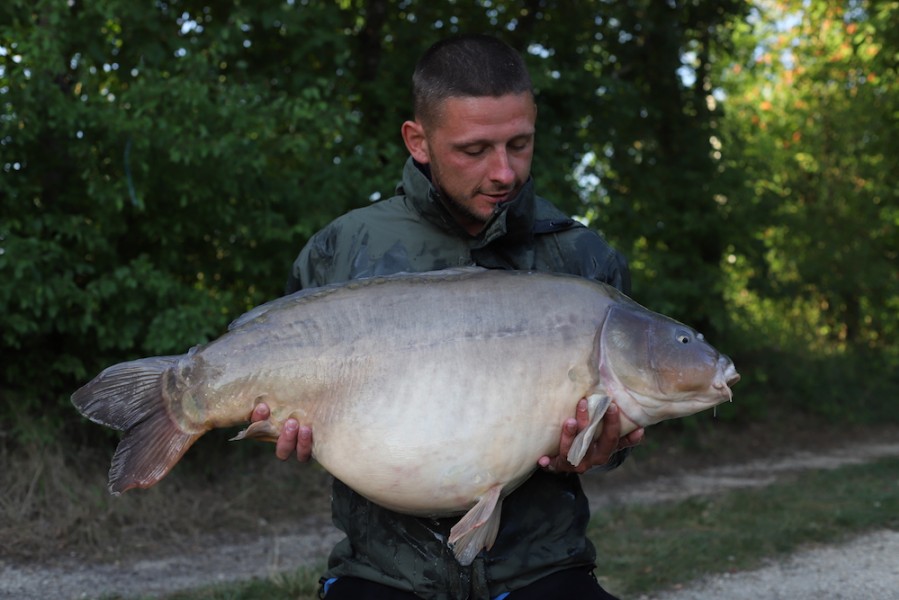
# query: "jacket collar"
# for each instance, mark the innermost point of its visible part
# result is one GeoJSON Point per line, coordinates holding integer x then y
{"type": "Point", "coordinates": [513, 220]}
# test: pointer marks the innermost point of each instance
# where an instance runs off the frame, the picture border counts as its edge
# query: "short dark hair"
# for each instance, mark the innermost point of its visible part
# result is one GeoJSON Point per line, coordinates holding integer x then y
{"type": "Point", "coordinates": [473, 65]}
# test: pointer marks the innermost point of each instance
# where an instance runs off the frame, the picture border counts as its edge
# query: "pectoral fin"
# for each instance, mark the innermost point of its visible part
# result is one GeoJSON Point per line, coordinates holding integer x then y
{"type": "Point", "coordinates": [477, 529]}
{"type": "Point", "coordinates": [264, 431]}
{"type": "Point", "coordinates": [597, 405]}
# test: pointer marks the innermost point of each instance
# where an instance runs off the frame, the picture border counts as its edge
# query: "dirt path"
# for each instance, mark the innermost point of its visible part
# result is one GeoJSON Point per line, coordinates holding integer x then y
{"type": "Point", "coordinates": [865, 568]}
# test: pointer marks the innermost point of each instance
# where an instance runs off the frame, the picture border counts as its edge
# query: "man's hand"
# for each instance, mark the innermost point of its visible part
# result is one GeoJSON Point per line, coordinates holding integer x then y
{"type": "Point", "coordinates": [600, 451]}
{"type": "Point", "coordinates": [293, 438]}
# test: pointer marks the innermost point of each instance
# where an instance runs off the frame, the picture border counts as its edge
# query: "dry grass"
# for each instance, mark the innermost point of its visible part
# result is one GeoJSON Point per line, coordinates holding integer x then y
{"type": "Point", "coordinates": [54, 501]}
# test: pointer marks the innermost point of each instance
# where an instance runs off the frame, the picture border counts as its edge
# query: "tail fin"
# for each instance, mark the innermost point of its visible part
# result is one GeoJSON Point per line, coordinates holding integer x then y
{"type": "Point", "coordinates": [128, 397]}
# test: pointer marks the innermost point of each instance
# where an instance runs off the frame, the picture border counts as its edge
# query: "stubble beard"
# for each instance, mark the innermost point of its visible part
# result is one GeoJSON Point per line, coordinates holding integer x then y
{"type": "Point", "coordinates": [455, 205]}
{"type": "Point", "coordinates": [459, 210]}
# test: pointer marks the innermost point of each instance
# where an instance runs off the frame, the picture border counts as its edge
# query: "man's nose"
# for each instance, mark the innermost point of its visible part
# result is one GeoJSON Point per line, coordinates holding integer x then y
{"type": "Point", "coordinates": [500, 170]}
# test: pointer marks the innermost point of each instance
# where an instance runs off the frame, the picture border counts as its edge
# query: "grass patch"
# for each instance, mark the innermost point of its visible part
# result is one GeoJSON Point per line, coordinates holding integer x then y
{"type": "Point", "coordinates": [301, 584]}
{"type": "Point", "coordinates": [645, 548]}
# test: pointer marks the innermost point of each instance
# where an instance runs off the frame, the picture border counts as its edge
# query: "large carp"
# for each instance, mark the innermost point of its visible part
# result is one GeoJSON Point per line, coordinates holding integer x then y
{"type": "Point", "coordinates": [430, 394]}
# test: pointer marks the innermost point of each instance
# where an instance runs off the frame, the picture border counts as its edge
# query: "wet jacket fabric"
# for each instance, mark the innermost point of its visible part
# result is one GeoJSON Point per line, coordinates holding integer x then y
{"type": "Point", "coordinates": [543, 524]}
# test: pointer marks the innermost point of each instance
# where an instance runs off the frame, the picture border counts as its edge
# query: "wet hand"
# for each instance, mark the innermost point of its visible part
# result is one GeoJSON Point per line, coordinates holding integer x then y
{"type": "Point", "coordinates": [600, 451]}
{"type": "Point", "coordinates": [293, 437]}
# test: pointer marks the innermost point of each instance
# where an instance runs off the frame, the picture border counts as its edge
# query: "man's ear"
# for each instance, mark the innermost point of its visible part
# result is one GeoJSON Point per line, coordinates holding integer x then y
{"type": "Point", "coordinates": [416, 141]}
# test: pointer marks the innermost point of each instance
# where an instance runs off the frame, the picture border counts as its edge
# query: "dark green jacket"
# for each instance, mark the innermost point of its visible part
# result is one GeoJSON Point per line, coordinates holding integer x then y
{"type": "Point", "coordinates": [544, 521]}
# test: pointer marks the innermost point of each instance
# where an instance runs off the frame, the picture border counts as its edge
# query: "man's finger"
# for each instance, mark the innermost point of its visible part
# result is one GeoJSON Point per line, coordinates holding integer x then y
{"type": "Point", "coordinates": [304, 443]}
{"type": "Point", "coordinates": [554, 463]}
{"type": "Point", "coordinates": [607, 442]}
{"type": "Point", "coordinates": [569, 432]}
{"type": "Point", "coordinates": [632, 439]}
{"type": "Point", "coordinates": [261, 412]}
{"type": "Point", "coordinates": [582, 415]}
{"type": "Point", "coordinates": [287, 441]}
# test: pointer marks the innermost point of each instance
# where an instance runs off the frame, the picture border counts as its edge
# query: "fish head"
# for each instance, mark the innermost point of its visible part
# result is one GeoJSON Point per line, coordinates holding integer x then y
{"type": "Point", "coordinates": [656, 368]}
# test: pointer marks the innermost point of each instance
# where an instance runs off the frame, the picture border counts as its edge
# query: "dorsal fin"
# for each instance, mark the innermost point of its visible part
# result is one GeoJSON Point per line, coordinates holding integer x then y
{"type": "Point", "coordinates": [303, 295]}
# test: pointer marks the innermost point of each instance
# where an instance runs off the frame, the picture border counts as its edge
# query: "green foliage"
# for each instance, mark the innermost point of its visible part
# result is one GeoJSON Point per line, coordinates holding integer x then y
{"type": "Point", "coordinates": [655, 154]}
{"type": "Point", "coordinates": [811, 278]}
{"type": "Point", "coordinates": [832, 120]}
{"type": "Point", "coordinates": [159, 174]}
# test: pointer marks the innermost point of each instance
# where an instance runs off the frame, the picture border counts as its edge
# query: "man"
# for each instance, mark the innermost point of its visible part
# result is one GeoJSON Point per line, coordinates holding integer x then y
{"type": "Point", "coordinates": [466, 198]}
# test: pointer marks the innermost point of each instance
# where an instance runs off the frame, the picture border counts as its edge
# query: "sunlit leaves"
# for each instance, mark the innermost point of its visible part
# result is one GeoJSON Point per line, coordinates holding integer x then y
{"type": "Point", "coordinates": [157, 171]}
{"type": "Point", "coordinates": [814, 100]}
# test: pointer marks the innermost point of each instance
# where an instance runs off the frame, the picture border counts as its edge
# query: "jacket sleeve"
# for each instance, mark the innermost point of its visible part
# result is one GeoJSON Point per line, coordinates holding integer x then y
{"type": "Point", "coordinates": [597, 260]}
{"type": "Point", "coordinates": [581, 250]}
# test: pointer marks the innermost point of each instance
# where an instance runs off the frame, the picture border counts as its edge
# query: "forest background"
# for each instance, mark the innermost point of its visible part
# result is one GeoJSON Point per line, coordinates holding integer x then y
{"type": "Point", "coordinates": [163, 162]}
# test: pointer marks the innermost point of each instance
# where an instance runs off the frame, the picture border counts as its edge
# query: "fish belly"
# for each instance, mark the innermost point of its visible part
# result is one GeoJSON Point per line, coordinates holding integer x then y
{"type": "Point", "coordinates": [429, 432]}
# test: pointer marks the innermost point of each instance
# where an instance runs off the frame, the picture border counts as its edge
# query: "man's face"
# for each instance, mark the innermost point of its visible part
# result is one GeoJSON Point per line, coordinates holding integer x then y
{"type": "Point", "coordinates": [480, 150]}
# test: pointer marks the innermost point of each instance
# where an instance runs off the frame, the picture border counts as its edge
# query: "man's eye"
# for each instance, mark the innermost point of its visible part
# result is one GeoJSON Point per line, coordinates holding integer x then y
{"type": "Point", "coordinates": [473, 151]}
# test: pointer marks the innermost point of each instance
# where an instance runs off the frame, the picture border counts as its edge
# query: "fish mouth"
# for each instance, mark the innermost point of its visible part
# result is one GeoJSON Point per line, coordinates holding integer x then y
{"type": "Point", "coordinates": [730, 373]}
{"type": "Point", "coordinates": [729, 377]}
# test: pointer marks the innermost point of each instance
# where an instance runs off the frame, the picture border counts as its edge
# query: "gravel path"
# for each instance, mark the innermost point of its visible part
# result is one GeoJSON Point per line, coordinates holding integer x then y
{"type": "Point", "coordinates": [153, 576]}
{"type": "Point", "coordinates": [867, 567]}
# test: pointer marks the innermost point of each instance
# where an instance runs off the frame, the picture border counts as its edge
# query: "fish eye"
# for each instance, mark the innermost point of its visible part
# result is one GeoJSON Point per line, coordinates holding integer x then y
{"type": "Point", "coordinates": [682, 337]}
